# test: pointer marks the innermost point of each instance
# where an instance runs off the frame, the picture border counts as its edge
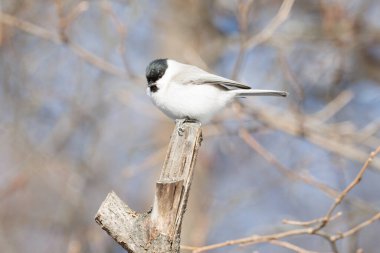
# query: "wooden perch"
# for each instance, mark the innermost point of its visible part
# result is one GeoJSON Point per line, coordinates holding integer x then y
{"type": "Point", "coordinates": [157, 230]}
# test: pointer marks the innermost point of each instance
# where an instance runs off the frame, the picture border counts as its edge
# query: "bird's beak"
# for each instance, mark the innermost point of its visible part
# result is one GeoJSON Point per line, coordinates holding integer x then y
{"type": "Point", "coordinates": [151, 84]}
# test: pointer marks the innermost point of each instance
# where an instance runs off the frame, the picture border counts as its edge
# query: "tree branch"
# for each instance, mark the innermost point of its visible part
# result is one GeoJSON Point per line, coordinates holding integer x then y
{"type": "Point", "coordinates": [157, 230]}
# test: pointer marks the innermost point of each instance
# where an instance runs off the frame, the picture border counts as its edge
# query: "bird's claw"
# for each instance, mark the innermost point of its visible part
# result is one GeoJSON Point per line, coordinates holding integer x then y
{"type": "Point", "coordinates": [181, 130]}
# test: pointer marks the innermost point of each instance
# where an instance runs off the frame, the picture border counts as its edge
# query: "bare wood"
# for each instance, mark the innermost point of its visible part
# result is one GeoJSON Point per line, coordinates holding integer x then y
{"type": "Point", "coordinates": [157, 230]}
{"type": "Point", "coordinates": [121, 222]}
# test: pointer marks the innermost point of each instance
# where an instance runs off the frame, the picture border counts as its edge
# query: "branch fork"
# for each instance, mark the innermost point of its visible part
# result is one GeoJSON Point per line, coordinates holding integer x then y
{"type": "Point", "coordinates": [157, 230]}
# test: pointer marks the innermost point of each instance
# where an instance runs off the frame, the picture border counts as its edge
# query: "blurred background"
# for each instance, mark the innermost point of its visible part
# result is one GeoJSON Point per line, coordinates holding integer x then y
{"type": "Point", "coordinates": [75, 122]}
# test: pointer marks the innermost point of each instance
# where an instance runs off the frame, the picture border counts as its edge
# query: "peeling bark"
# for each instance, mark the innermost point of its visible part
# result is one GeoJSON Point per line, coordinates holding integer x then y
{"type": "Point", "coordinates": [157, 230]}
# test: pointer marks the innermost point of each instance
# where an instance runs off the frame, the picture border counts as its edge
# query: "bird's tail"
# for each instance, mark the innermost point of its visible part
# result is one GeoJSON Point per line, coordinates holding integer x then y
{"type": "Point", "coordinates": [252, 92]}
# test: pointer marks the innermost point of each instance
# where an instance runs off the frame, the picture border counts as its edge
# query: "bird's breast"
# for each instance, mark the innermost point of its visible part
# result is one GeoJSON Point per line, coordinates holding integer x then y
{"type": "Point", "coordinates": [193, 101]}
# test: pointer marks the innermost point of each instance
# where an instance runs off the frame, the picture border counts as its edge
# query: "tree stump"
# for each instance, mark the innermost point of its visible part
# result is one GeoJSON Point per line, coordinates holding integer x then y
{"type": "Point", "coordinates": [157, 230]}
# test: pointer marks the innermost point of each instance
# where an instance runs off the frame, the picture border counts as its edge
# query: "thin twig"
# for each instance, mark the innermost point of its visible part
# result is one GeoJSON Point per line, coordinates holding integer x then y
{"type": "Point", "coordinates": [244, 8]}
{"type": "Point", "coordinates": [269, 157]}
{"type": "Point", "coordinates": [313, 131]}
{"type": "Point", "coordinates": [1, 25]}
{"type": "Point", "coordinates": [55, 38]}
{"type": "Point", "coordinates": [344, 193]}
{"type": "Point", "coordinates": [334, 106]}
{"type": "Point", "coordinates": [75, 12]}
{"type": "Point", "coordinates": [29, 28]}
{"type": "Point", "coordinates": [96, 60]}
{"type": "Point", "coordinates": [310, 222]}
{"type": "Point", "coordinates": [267, 32]}
{"type": "Point", "coordinates": [249, 140]}
{"type": "Point", "coordinates": [304, 231]}
{"type": "Point", "coordinates": [121, 29]}
{"type": "Point", "coordinates": [254, 239]}
{"type": "Point", "coordinates": [148, 162]}
{"type": "Point", "coordinates": [291, 246]}
{"type": "Point", "coordinates": [356, 229]}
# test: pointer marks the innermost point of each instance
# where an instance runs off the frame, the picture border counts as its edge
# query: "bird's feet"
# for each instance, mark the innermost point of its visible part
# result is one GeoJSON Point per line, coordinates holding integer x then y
{"type": "Point", "coordinates": [181, 130]}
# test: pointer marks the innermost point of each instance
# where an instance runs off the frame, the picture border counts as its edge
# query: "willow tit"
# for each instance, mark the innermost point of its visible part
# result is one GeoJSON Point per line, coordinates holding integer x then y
{"type": "Point", "coordinates": [187, 92]}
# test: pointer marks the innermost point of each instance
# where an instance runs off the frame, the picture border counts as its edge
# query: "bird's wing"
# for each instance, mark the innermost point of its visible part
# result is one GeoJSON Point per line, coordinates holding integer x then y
{"type": "Point", "coordinates": [197, 76]}
{"type": "Point", "coordinates": [225, 84]}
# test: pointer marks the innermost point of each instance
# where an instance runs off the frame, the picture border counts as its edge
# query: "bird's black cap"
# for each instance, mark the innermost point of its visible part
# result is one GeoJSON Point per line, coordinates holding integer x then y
{"type": "Point", "coordinates": [156, 69]}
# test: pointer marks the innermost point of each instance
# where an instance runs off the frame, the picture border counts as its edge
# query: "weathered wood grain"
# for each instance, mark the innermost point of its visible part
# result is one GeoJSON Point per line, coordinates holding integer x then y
{"type": "Point", "coordinates": [157, 230]}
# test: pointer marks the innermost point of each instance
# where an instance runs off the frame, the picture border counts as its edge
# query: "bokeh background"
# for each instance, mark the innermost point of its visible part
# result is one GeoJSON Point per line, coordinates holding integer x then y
{"type": "Point", "coordinates": [75, 122]}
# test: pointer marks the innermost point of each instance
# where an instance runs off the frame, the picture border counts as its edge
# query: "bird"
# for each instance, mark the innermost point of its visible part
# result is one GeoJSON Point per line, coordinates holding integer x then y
{"type": "Point", "coordinates": [188, 93]}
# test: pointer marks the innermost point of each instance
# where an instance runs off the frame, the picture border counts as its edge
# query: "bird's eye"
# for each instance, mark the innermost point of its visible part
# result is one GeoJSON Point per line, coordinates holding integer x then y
{"type": "Point", "coordinates": [153, 88]}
